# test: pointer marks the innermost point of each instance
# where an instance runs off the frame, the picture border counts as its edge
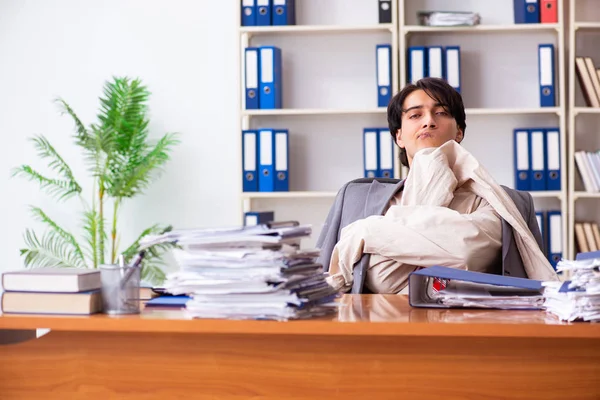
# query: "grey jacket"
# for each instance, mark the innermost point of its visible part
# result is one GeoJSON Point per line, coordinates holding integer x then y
{"type": "Point", "coordinates": [361, 198]}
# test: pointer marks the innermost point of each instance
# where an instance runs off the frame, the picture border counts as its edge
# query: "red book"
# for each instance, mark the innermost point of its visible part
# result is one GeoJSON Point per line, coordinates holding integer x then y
{"type": "Point", "coordinates": [548, 11]}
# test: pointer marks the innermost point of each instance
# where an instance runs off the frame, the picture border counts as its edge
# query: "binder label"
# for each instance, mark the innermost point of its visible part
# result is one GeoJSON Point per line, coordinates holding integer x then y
{"type": "Point", "coordinates": [383, 66]}
{"type": "Point", "coordinates": [537, 151]}
{"type": "Point", "coordinates": [248, 3]}
{"type": "Point", "coordinates": [453, 73]}
{"type": "Point", "coordinates": [252, 69]}
{"type": "Point", "coordinates": [371, 151]}
{"type": "Point", "coordinates": [386, 152]}
{"type": "Point", "coordinates": [417, 58]}
{"type": "Point", "coordinates": [522, 154]}
{"type": "Point", "coordinates": [262, 2]}
{"type": "Point", "coordinates": [555, 233]}
{"type": "Point", "coordinates": [553, 150]}
{"type": "Point", "coordinates": [435, 62]}
{"type": "Point", "coordinates": [281, 162]}
{"type": "Point", "coordinates": [249, 152]}
{"type": "Point", "coordinates": [279, 2]}
{"type": "Point", "coordinates": [266, 65]}
{"type": "Point", "coordinates": [266, 148]}
{"type": "Point", "coordinates": [546, 66]}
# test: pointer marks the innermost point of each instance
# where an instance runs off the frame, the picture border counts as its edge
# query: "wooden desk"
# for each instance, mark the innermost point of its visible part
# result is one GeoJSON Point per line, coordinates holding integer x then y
{"type": "Point", "coordinates": [377, 347]}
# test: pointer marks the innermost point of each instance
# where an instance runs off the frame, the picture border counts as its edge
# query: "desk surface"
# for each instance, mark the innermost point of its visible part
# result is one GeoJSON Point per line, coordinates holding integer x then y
{"type": "Point", "coordinates": [358, 315]}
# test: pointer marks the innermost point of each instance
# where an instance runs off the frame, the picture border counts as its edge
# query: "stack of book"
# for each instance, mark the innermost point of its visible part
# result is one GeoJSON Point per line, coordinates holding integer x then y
{"type": "Point", "coordinates": [589, 80]}
{"type": "Point", "coordinates": [256, 272]}
{"type": "Point", "coordinates": [52, 291]}
{"type": "Point", "coordinates": [587, 236]}
{"type": "Point", "coordinates": [579, 298]}
{"type": "Point", "coordinates": [588, 165]}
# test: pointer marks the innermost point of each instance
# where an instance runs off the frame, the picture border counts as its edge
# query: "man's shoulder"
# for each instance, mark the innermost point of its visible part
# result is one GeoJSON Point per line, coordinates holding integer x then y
{"type": "Point", "coordinates": [366, 182]}
{"type": "Point", "coordinates": [517, 195]}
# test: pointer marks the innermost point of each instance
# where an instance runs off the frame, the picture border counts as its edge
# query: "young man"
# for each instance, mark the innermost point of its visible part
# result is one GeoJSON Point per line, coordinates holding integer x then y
{"type": "Point", "coordinates": [448, 211]}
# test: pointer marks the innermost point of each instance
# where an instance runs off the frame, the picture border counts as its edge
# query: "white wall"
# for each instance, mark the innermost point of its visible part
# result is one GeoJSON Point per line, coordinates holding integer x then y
{"type": "Point", "coordinates": [185, 51]}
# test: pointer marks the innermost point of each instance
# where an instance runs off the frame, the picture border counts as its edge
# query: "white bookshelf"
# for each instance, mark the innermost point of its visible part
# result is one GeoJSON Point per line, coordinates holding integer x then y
{"type": "Point", "coordinates": [490, 115]}
{"type": "Point", "coordinates": [578, 134]}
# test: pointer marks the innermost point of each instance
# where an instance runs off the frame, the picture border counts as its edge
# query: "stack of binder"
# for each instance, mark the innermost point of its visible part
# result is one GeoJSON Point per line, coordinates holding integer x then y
{"type": "Point", "coordinates": [537, 159]}
{"type": "Point", "coordinates": [550, 224]}
{"type": "Point", "coordinates": [256, 272]}
{"type": "Point", "coordinates": [268, 12]}
{"type": "Point", "coordinates": [535, 11]}
{"type": "Point", "coordinates": [265, 154]}
{"type": "Point", "coordinates": [378, 153]}
{"type": "Point", "coordinates": [435, 62]}
{"type": "Point", "coordinates": [588, 165]}
{"type": "Point", "coordinates": [579, 298]}
{"type": "Point", "coordinates": [263, 72]}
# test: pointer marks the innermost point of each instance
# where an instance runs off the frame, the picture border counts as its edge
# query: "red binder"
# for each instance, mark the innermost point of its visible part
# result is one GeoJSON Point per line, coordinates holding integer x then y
{"type": "Point", "coordinates": [548, 12]}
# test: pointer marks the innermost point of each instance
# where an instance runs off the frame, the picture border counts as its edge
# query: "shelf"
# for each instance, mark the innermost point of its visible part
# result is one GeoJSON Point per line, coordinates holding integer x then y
{"type": "Point", "coordinates": [481, 28]}
{"type": "Point", "coordinates": [546, 194]}
{"type": "Point", "coordinates": [586, 110]}
{"type": "Point", "coordinates": [504, 111]}
{"type": "Point", "coordinates": [313, 111]}
{"type": "Point", "coordinates": [586, 195]}
{"type": "Point", "coordinates": [586, 25]}
{"type": "Point", "coordinates": [307, 29]}
{"type": "Point", "coordinates": [287, 195]}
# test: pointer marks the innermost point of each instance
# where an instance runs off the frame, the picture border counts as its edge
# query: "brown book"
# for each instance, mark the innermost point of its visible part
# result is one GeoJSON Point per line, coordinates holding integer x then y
{"type": "Point", "coordinates": [585, 82]}
{"type": "Point", "coordinates": [84, 303]}
{"type": "Point", "coordinates": [580, 236]}
{"type": "Point", "coordinates": [596, 232]}
{"type": "Point", "coordinates": [589, 236]}
{"type": "Point", "coordinates": [589, 63]}
{"type": "Point", "coordinates": [70, 280]}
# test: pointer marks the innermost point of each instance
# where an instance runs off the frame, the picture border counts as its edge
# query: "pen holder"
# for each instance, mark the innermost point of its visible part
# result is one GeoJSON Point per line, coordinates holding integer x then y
{"type": "Point", "coordinates": [120, 289]}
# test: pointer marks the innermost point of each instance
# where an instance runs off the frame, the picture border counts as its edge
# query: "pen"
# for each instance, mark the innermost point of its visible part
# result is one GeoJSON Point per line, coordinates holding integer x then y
{"type": "Point", "coordinates": [135, 264]}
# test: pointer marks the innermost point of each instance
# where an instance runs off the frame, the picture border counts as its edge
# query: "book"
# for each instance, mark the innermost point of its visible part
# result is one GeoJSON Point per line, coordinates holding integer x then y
{"type": "Point", "coordinates": [55, 280]}
{"type": "Point", "coordinates": [83, 303]}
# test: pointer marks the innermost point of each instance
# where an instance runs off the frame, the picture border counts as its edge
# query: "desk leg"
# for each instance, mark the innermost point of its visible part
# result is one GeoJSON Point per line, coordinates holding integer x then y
{"type": "Point", "coordinates": [89, 365]}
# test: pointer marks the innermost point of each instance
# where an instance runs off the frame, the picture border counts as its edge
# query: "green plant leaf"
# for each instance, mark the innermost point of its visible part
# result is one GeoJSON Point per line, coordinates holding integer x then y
{"type": "Point", "coordinates": [41, 216]}
{"type": "Point", "coordinates": [56, 163]}
{"type": "Point", "coordinates": [51, 250]}
{"type": "Point", "coordinates": [59, 189]}
{"type": "Point", "coordinates": [90, 227]}
{"type": "Point", "coordinates": [83, 138]}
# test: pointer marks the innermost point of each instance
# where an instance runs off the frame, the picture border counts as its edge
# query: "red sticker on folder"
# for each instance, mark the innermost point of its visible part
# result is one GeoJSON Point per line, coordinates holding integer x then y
{"type": "Point", "coordinates": [440, 284]}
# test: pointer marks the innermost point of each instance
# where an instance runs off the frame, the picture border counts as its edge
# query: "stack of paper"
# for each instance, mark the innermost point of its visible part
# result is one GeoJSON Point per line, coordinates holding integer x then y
{"type": "Point", "coordinates": [579, 298]}
{"type": "Point", "coordinates": [448, 18]}
{"type": "Point", "coordinates": [257, 272]}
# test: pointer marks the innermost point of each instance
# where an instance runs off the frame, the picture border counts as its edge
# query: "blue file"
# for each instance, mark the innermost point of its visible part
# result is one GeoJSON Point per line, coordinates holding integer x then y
{"type": "Point", "coordinates": [266, 163]}
{"type": "Point", "coordinates": [284, 12]}
{"type": "Point", "coordinates": [252, 69]}
{"type": "Point", "coordinates": [554, 225]}
{"type": "Point", "coordinates": [452, 58]}
{"type": "Point", "coordinates": [250, 161]}
{"type": "Point", "coordinates": [540, 216]}
{"type": "Point", "coordinates": [248, 13]}
{"type": "Point", "coordinates": [263, 15]}
{"type": "Point", "coordinates": [417, 63]}
{"type": "Point", "coordinates": [521, 159]}
{"type": "Point", "coordinates": [546, 75]}
{"type": "Point", "coordinates": [435, 62]}
{"type": "Point", "coordinates": [281, 161]}
{"type": "Point", "coordinates": [253, 218]}
{"type": "Point", "coordinates": [371, 152]}
{"type": "Point", "coordinates": [386, 154]}
{"type": "Point", "coordinates": [384, 74]}
{"type": "Point", "coordinates": [553, 179]}
{"type": "Point", "coordinates": [527, 11]}
{"type": "Point", "coordinates": [422, 284]}
{"type": "Point", "coordinates": [270, 77]}
{"type": "Point", "coordinates": [537, 151]}
{"type": "Point", "coordinates": [589, 255]}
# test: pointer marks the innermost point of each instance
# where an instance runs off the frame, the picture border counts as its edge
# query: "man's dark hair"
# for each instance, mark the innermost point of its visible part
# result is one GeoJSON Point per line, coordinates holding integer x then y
{"type": "Point", "coordinates": [436, 88]}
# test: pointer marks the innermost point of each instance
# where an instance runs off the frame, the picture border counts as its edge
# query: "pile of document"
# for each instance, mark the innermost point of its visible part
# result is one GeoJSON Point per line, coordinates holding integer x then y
{"type": "Point", "coordinates": [256, 272]}
{"type": "Point", "coordinates": [448, 18]}
{"type": "Point", "coordinates": [579, 298]}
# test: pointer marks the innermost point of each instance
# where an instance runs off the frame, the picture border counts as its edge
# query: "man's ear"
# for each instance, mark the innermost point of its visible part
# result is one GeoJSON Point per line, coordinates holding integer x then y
{"type": "Point", "coordinates": [459, 136]}
{"type": "Point", "coordinates": [399, 140]}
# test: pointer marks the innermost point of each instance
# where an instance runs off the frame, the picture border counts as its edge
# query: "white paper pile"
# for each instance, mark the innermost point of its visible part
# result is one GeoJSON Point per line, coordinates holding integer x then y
{"type": "Point", "coordinates": [579, 298]}
{"type": "Point", "coordinates": [448, 18]}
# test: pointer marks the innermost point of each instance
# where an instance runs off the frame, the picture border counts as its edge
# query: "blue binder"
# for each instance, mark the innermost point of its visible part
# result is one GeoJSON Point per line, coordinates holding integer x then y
{"type": "Point", "coordinates": [540, 217]}
{"type": "Point", "coordinates": [266, 163]}
{"type": "Point", "coordinates": [546, 75]}
{"type": "Point", "coordinates": [252, 69]}
{"type": "Point", "coordinates": [417, 63]}
{"type": "Point", "coordinates": [384, 74]}
{"type": "Point", "coordinates": [281, 161]}
{"type": "Point", "coordinates": [435, 62]}
{"type": "Point", "coordinates": [589, 255]}
{"type": "Point", "coordinates": [252, 218]}
{"type": "Point", "coordinates": [420, 281]}
{"type": "Point", "coordinates": [537, 151]}
{"type": "Point", "coordinates": [521, 159]}
{"type": "Point", "coordinates": [554, 225]}
{"type": "Point", "coordinates": [371, 152]}
{"type": "Point", "coordinates": [248, 13]}
{"type": "Point", "coordinates": [527, 11]}
{"type": "Point", "coordinates": [263, 15]}
{"type": "Point", "coordinates": [270, 77]}
{"type": "Point", "coordinates": [553, 179]}
{"type": "Point", "coordinates": [386, 154]}
{"type": "Point", "coordinates": [284, 12]}
{"type": "Point", "coordinates": [452, 58]}
{"type": "Point", "coordinates": [250, 161]}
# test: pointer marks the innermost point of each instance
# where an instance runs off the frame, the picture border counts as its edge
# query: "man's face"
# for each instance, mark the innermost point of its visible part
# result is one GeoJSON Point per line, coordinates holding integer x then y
{"type": "Point", "coordinates": [425, 123]}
